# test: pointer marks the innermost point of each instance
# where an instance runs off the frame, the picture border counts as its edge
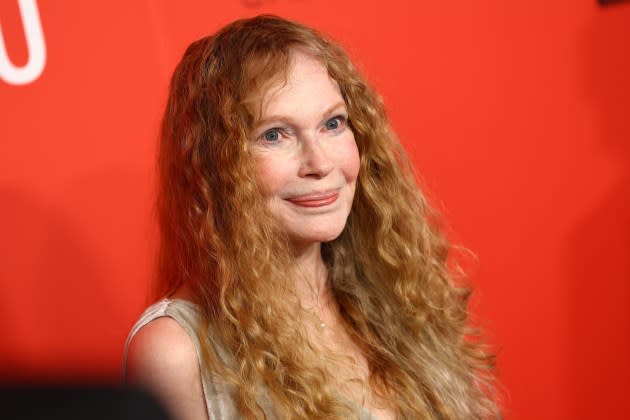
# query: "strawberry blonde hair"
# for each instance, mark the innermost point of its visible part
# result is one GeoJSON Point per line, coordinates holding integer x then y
{"type": "Point", "coordinates": [387, 269]}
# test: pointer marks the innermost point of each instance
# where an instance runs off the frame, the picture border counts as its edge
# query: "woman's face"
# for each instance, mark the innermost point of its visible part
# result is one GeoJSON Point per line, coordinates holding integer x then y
{"type": "Point", "coordinates": [306, 159]}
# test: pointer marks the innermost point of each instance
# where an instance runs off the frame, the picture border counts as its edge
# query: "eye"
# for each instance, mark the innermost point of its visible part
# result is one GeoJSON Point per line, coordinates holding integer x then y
{"type": "Point", "coordinates": [272, 135]}
{"type": "Point", "coordinates": [335, 123]}
{"type": "Point", "coordinates": [275, 136]}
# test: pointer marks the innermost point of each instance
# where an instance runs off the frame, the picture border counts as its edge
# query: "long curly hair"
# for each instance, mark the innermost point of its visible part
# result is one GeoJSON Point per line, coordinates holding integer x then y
{"type": "Point", "coordinates": [387, 270]}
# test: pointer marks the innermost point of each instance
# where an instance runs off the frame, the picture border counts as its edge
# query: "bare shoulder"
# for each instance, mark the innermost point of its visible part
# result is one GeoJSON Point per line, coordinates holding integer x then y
{"type": "Point", "coordinates": [161, 346]}
{"type": "Point", "coordinates": [162, 359]}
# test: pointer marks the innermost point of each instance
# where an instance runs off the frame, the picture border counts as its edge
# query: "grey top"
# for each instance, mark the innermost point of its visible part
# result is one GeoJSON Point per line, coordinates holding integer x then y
{"type": "Point", "coordinates": [219, 396]}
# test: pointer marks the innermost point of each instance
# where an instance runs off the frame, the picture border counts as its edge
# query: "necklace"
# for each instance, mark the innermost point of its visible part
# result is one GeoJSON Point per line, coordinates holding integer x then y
{"type": "Point", "coordinates": [315, 309]}
{"type": "Point", "coordinates": [320, 299]}
{"type": "Point", "coordinates": [322, 324]}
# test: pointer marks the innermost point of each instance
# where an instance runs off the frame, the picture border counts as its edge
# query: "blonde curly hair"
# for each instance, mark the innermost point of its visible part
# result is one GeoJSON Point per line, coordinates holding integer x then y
{"type": "Point", "coordinates": [387, 269]}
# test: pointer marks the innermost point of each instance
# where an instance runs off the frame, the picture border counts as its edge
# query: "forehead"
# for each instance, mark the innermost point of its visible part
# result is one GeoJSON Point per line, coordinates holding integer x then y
{"type": "Point", "coordinates": [306, 87]}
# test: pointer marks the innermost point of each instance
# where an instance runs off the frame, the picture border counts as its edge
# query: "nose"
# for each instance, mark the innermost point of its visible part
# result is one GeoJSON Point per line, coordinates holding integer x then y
{"type": "Point", "coordinates": [315, 160]}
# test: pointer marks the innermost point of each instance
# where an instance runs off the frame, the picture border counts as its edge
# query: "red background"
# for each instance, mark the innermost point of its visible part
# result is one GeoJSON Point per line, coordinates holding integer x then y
{"type": "Point", "coordinates": [515, 113]}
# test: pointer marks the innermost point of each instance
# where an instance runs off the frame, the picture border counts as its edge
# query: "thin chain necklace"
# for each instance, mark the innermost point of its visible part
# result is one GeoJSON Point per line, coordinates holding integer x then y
{"type": "Point", "coordinates": [314, 311]}
{"type": "Point", "coordinates": [322, 324]}
{"type": "Point", "coordinates": [318, 307]}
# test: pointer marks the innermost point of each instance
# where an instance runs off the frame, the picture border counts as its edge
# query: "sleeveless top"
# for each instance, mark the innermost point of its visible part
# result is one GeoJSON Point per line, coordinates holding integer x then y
{"type": "Point", "coordinates": [220, 396]}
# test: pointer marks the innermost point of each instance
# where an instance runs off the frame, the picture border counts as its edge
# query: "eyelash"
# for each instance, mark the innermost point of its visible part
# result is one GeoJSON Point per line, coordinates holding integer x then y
{"type": "Point", "coordinates": [278, 130]}
{"type": "Point", "coordinates": [342, 120]}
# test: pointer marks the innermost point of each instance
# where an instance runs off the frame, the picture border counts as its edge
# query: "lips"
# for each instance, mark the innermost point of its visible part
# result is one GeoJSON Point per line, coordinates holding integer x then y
{"type": "Point", "coordinates": [315, 200]}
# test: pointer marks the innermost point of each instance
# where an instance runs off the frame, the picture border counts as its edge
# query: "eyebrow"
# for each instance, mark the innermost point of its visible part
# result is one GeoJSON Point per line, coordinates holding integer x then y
{"type": "Point", "coordinates": [287, 119]}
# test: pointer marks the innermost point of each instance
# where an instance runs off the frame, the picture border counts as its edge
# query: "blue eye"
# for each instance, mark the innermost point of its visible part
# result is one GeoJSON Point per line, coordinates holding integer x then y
{"type": "Point", "coordinates": [272, 135]}
{"type": "Point", "coordinates": [335, 123]}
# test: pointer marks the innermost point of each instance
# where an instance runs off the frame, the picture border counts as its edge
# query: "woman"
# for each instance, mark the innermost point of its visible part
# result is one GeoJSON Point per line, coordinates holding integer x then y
{"type": "Point", "coordinates": [303, 276]}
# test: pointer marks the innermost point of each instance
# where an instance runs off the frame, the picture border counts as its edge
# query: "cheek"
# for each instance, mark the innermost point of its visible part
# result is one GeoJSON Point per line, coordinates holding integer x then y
{"type": "Point", "coordinates": [348, 159]}
{"type": "Point", "coordinates": [270, 174]}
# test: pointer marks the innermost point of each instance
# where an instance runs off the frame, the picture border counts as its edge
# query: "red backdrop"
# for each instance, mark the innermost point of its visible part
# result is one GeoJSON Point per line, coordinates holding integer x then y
{"type": "Point", "coordinates": [515, 113]}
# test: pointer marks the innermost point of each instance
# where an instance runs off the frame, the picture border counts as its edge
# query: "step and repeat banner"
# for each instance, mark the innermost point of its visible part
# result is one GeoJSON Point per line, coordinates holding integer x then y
{"type": "Point", "coordinates": [514, 113]}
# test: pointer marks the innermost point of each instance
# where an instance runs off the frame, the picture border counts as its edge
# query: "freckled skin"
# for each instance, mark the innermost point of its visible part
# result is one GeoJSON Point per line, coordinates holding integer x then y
{"type": "Point", "coordinates": [306, 157]}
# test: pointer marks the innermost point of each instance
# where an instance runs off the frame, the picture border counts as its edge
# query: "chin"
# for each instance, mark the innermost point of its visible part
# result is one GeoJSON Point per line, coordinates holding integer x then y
{"type": "Point", "coordinates": [326, 234]}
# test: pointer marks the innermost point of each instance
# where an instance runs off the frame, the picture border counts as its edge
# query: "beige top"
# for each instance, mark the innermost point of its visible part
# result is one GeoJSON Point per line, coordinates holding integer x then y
{"type": "Point", "coordinates": [219, 396]}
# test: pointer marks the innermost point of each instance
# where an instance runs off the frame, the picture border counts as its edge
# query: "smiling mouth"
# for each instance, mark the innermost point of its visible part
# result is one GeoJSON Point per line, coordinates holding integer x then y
{"type": "Point", "coordinates": [315, 200]}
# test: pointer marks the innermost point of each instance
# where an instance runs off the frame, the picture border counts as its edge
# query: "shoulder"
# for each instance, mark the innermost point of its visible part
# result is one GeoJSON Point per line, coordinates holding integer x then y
{"type": "Point", "coordinates": [163, 359]}
{"type": "Point", "coordinates": [162, 345]}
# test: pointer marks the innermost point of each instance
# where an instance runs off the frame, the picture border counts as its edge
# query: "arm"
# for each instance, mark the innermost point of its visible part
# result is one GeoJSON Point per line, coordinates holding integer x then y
{"type": "Point", "coordinates": [162, 359]}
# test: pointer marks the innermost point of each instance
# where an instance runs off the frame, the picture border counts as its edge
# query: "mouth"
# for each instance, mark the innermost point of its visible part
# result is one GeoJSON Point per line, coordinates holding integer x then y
{"type": "Point", "coordinates": [316, 199]}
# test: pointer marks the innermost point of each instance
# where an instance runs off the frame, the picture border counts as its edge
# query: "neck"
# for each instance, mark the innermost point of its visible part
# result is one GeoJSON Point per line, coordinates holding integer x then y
{"type": "Point", "coordinates": [312, 276]}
